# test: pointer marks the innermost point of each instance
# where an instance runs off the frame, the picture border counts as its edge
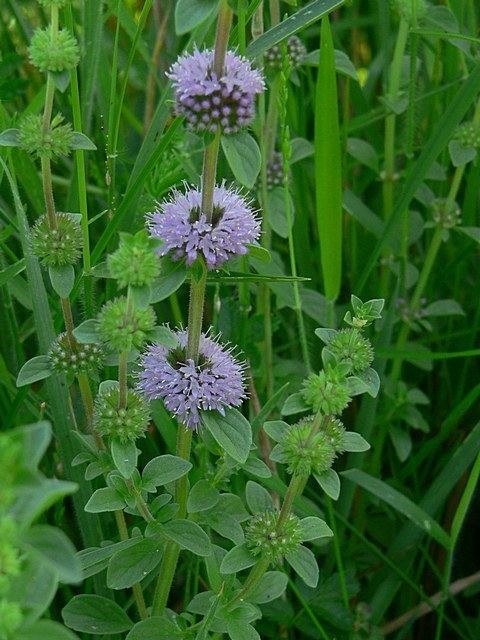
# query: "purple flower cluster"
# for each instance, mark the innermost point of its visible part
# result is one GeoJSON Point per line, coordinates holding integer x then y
{"type": "Point", "coordinates": [186, 388]}
{"type": "Point", "coordinates": [185, 232]}
{"type": "Point", "coordinates": [209, 102]}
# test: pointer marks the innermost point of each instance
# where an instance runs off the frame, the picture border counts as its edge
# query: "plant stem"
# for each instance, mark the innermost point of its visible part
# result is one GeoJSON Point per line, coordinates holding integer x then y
{"type": "Point", "coordinates": [123, 359]}
{"type": "Point", "coordinates": [137, 589]}
{"type": "Point", "coordinates": [195, 318]}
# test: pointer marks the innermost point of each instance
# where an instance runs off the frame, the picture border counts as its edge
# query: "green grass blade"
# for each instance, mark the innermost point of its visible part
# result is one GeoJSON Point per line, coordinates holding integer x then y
{"type": "Point", "coordinates": [328, 167]}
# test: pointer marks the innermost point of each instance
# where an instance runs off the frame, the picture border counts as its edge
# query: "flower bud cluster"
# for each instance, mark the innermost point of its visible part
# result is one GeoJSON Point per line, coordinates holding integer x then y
{"type": "Point", "coordinates": [54, 51]}
{"type": "Point", "coordinates": [74, 358]}
{"type": "Point", "coordinates": [446, 214]}
{"type": "Point", "coordinates": [351, 348]}
{"type": "Point", "coordinates": [122, 423]}
{"type": "Point", "coordinates": [135, 262]}
{"type": "Point", "coordinates": [119, 330]}
{"type": "Point", "coordinates": [53, 143]}
{"type": "Point", "coordinates": [296, 53]}
{"type": "Point", "coordinates": [264, 537]}
{"type": "Point", "coordinates": [305, 453]}
{"type": "Point", "coordinates": [275, 171]}
{"type": "Point", "coordinates": [468, 134]}
{"type": "Point", "coordinates": [59, 246]}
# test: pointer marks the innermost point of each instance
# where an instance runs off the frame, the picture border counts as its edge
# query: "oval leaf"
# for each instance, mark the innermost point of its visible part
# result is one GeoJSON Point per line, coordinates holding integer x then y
{"type": "Point", "coordinates": [62, 279]}
{"type": "Point", "coordinates": [33, 370]}
{"type": "Point", "coordinates": [162, 470]}
{"type": "Point", "coordinates": [243, 156]}
{"type": "Point", "coordinates": [304, 564]}
{"type": "Point", "coordinates": [232, 432]}
{"type": "Point", "coordinates": [95, 615]}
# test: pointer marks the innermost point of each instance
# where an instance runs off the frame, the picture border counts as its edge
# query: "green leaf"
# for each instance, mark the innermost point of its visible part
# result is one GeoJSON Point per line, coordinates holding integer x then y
{"type": "Point", "coordinates": [162, 470]}
{"type": "Point", "coordinates": [444, 308]}
{"type": "Point", "coordinates": [471, 232]}
{"type": "Point", "coordinates": [10, 138]}
{"type": "Point", "coordinates": [172, 277]}
{"type": "Point", "coordinates": [272, 403]}
{"type": "Point", "coordinates": [364, 152]}
{"type": "Point", "coordinates": [330, 483]}
{"type": "Point", "coordinates": [298, 21]}
{"type": "Point", "coordinates": [86, 333]}
{"type": "Point", "coordinates": [303, 562]}
{"type": "Point", "coordinates": [62, 279]}
{"type": "Point", "coordinates": [9, 273]}
{"type": "Point", "coordinates": [243, 156]}
{"type": "Point", "coordinates": [36, 498]}
{"type": "Point", "coordinates": [131, 565]}
{"type": "Point", "coordinates": [155, 628]}
{"type": "Point", "coordinates": [400, 503]}
{"type": "Point", "coordinates": [105, 499]}
{"type": "Point", "coordinates": [81, 141]}
{"type": "Point", "coordinates": [38, 368]}
{"type": "Point", "coordinates": [61, 79]}
{"type": "Point", "coordinates": [313, 528]}
{"type": "Point", "coordinates": [328, 166]}
{"type": "Point", "coordinates": [258, 498]}
{"type": "Point", "coordinates": [164, 336]}
{"type": "Point", "coordinates": [276, 429]}
{"type": "Point", "coordinates": [42, 629]}
{"type": "Point", "coordinates": [294, 404]}
{"type": "Point", "coordinates": [353, 441]}
{"type": "Point", "coordinates": [257, 468]}
{"type": "Point", "coordinates": [459, 154]}
{"type": "Point", "coordinates": [238, 630]}
{"type": "Point", "coordinates": [34, 440]}
{"type": "Point", "coordinates": [237, 559]}
{"type": "Point", "coordinates": [232, 432]}
{"type": "Point", "coordinates": [226, 526]}
{"type": "Point", "coordinates": [301, 149]}
{"type": "Point", "coordinates": [270, 586]}
{"type": "Point", "coordinates": [202, 497]}
{"type": "Point", "coordinates": [141, 296]}
{"type": "Point", "coordinates": [188, 535]}
{"type": "Point", "coordinates": [278, 219]}
{"type": "Point", "coordinates": [24, 587]}
{"type": "Point", "coordinates": [259, 253]}
{"type": "Point", "coordinates": [191, 13]}
{"type": "Point", "coordinates": [54, 548]}
{"type": "Point", "coordinates": [125, 456]}
{"type": "Point", "coordinates": [95, 615]}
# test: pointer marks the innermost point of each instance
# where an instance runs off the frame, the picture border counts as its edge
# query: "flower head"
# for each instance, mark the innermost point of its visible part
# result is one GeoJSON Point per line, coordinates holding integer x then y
{"type": "Point", "coordinates": [185, 232]}
{"type": "Point", "coordinates": [351, 348]}
{"type": "Point", "coordinates": [326, 392]}
{"type": "Point", "coordinates": [51, 51]}
{"type": "Point", "coordinates": [60, 246]}
{"type": "Point", "coordinates": [215, 382]}
{"type": "Point", "coordinates": [209, 102]}
{"type": "Point", "coordinates": [304, 453]}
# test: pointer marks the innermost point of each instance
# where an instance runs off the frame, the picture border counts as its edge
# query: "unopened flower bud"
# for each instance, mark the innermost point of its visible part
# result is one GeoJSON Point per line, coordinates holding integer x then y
{"type": "Point", "coordinates": [306, 454]}
{"type": "Point", "coordinates": [59, 246]}
{"type": "Point", "coordinates": [265, 538]}
{"type": "Point", "coordinates": [120, 331]}
{"type": "Point", "coordinates": [135, 262]}
{"type": "Point", "coordinates": [67, 358]}
{"type": "Point", "coordinates": [123, 423]}
{"type": "Point", "coordinates": [53, 51]}
{"type": "Point", "coordinates": [275, 171]}
{"type": "Point", "coordinates": [350, 347]}
{"type": "Point", "coordinates": [326, 392]}
{"type": "Point", "coordinates": [55, 142]}
{"type": "Point", "coordinates": [296, 53]}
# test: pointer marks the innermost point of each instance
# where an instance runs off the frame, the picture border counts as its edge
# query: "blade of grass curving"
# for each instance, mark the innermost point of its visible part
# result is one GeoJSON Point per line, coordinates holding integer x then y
{"type": "Point", "coordinates": [328, 167]}
{"type": "Point", "coordinates": [56, 386]}
{"type": "Point", "coordinates": [92, 42]}
{"type": "Point", "coordinates": [436, 144]}
{"type": "Point", "coordinates": [303, 18]}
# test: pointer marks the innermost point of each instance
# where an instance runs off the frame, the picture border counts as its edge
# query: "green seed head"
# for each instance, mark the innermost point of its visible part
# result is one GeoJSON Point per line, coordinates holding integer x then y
{"type": "Point", "coordinates": [125, 424]}
{"type": "Point", "coordinates": [53, 143]}
{"type": "Point", "coordinates": [326, 392]}
{"type": "Point", "coordinates": [351, 348]}
{"type": "Point", "coordinates": [296, 53]}
{"type": "Point", "coordinates": [135, 262]}
{"type": "Point", "coordinates": [265, 538]}
{"type": "Point", "coordinates": [54, 52]}
{"type": "Point", "coordinates": [468, 134]}
{"type": "Point", "coordinates": [120, 331]}
{"type": "Point", "coordinates": [60, 246]}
